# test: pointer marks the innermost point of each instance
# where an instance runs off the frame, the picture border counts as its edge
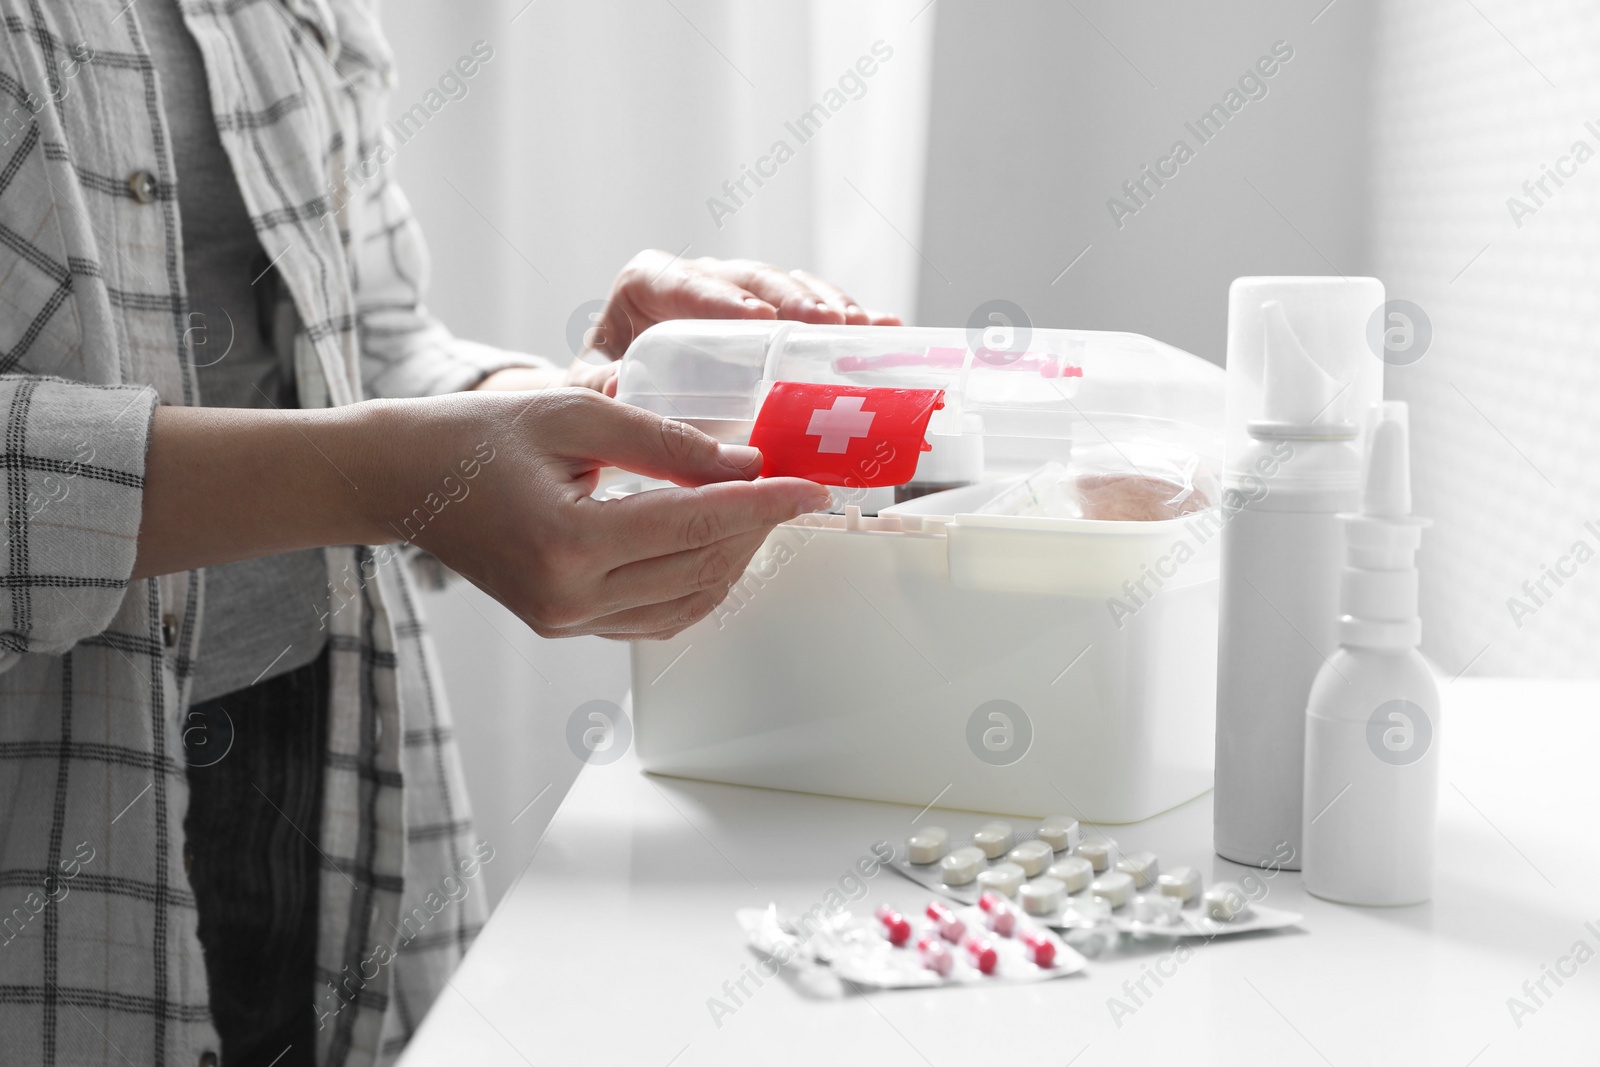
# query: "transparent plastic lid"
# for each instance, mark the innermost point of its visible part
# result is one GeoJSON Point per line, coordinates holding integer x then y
{"type": "Point", "coordinates": [1028, 405]}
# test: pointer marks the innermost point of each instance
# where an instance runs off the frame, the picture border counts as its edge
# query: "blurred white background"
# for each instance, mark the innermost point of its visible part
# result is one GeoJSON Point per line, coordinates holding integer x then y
{"type": "Point", "coordinates": [977, 162]}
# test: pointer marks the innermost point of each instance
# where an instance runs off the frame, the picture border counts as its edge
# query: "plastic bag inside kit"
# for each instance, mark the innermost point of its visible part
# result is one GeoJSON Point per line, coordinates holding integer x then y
{"type": "Point", "coordinates": [1127, 482]}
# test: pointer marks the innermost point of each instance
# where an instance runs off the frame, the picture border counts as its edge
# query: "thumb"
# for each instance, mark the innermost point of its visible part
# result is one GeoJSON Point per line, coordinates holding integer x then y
{"type": "Point", "coordinates": [612, 433]}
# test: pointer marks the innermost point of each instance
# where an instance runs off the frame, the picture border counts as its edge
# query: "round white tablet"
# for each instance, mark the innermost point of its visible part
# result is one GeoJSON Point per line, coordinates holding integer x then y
{"type": "Point", "coordinates": [1154, 908]}
{"type": "Point", "coordinates": [1042, 896]}
{"type": "Point", "coordinates": [1225, 901]}
{"type": "Point", "coordinates": [1060, 832]}
{"type": "Point", "coordinates": [1113, 887]}
{"type": "Point", "coordinates": [1180, 882]}
{"type": "Point", "coordinates": [1075, 872]}
{"type": "Point", "coordinates": [927, 844]}
{"type": "Point", "coordinates": [961, 866]}
{"type": "Point", "coordinates": [1031, 856]}
{"type": "Point", "coordinates": [1098, 853]}
{"type": "Point", "coordinates": [1141, 867]}
{"type": "Point", "coordinates": [1004, 878]}
{"type": "Point", "coordinates": [994, 838]}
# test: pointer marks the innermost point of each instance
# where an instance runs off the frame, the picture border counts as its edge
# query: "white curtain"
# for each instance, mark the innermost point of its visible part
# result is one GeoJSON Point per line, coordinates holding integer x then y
{"type": "Point", "coordinates": [599, 128]}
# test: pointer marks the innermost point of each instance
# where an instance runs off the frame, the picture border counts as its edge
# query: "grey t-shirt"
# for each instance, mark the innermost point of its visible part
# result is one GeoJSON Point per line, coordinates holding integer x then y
{"type": "Point", "coordinates": [263, 617]}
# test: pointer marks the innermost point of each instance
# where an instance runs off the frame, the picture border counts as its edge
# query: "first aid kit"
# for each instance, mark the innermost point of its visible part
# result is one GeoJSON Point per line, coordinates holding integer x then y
{"type": "Point", "coordinates": [1012, 607]}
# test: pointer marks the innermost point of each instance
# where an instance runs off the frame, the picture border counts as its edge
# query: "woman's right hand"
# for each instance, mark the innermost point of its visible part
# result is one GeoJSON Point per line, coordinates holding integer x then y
{"type": "Point", "coordinates": [525, 529]}
{"type": "Point", "coordinates": [496, 484]}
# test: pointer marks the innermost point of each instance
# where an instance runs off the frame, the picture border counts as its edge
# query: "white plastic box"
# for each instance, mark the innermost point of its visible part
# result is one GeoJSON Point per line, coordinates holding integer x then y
{"type": "Point", "coordinates": [928, 654]}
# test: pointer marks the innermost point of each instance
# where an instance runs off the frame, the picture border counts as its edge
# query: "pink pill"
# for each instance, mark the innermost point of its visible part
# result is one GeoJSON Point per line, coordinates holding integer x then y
{"type": "Point", "coordinates": [895, 926]}
{"type": "Point", "coordinates": [935, 956]}
{"type": "Point", "coordinates": [1002, 919]}
{"type": "Point", "coordinates": [1039, 948]}
{"type": "Point", "coordinates": [982, 954]}
{"type": "Point", "coordinates": [944, 920]}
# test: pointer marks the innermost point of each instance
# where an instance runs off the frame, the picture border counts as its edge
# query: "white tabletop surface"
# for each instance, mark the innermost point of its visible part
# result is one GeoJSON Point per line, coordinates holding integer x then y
{"type": "Point", "coordinates": [609, 948]}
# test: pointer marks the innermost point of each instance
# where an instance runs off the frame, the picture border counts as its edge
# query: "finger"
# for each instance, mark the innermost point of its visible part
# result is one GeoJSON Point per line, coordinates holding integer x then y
{"type": "Point", "coordinates": [585, 375]}
{"type": "Point", "coordinates": [661, 522]}
{"type": "Point", "coordinates": [688, 292]}
{"type": "Point", "coordinates": [883, 318]}
{"type": "Point", "coordinates": [834, 297]}
{"type": "Point", "coordinates": [590, 428]}
{"type": "Point", "coordinates": [651, 581]}
{"type": "Point", "coordinates": [792, 297]}
{"type": "Point", "coordinates": [615, 330]}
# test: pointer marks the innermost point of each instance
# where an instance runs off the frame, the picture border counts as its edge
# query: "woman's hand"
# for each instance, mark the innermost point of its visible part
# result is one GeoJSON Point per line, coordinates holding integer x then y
{"type": "Point", "coordinates": [526, 530]}
{"type": "Point", "coordinates": [496, 484]}
{"type": "Point", "coordinates": [655, 287]}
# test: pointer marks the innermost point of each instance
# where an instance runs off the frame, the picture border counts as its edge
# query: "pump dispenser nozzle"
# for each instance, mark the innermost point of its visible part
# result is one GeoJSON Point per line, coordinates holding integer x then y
{"type": "Point", "coordinates": [1296, 391]}
{"type": "Point", "coordinates": [1379, 587]}
{"type": "Point", "coordinates": [1388, 488]}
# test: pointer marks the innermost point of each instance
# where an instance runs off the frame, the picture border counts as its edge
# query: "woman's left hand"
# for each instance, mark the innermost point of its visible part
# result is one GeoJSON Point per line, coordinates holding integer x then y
{"type": "Point", "coordinates": [656, 286]}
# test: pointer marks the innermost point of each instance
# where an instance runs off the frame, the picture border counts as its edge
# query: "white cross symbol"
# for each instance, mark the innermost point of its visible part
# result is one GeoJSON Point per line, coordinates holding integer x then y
{"type": "Point", "coordinates": [838, 424]}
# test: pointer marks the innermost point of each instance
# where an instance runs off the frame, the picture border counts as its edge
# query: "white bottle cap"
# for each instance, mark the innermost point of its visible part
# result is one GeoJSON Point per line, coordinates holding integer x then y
{"type": "Point", "coordinates": [1299, 363]}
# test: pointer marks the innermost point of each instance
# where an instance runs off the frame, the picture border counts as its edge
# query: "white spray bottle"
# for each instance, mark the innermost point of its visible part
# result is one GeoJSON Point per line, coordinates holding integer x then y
{"type": "Point", "coordinates": [1372, 722]}
{"type": "Point", "coordinates": [1300, 378]}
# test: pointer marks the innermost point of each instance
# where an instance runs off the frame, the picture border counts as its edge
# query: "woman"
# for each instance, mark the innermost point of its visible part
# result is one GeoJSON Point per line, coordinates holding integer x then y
{"type": "Point", "coordinates": [234, 825]}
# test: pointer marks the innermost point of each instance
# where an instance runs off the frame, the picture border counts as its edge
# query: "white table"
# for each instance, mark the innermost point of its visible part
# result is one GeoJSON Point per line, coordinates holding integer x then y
{"type": "Point", "coordinates": [609, 948]}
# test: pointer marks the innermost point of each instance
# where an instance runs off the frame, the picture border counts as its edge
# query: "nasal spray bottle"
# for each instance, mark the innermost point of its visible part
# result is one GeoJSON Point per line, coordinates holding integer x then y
{"type": "Point", "coordinates": [1372, 740]}
{"type": "Point", "coordinates": [1300, 378]}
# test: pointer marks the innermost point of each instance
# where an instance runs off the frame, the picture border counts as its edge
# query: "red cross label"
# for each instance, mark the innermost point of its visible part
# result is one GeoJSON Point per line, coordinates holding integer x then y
{"type": "Point", "coordinates": [843, 434]}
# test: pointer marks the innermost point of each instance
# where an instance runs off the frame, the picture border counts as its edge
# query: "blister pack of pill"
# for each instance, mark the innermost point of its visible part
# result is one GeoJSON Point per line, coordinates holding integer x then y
{"type": "Point", "coordinates": [1068, 881]}
{"type": "Point", "coordinates": [944, 945]}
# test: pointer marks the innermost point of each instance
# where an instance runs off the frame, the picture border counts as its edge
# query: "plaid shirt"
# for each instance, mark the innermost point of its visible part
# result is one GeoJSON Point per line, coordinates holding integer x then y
{"type": "Point", "coordinates": [99, 962]}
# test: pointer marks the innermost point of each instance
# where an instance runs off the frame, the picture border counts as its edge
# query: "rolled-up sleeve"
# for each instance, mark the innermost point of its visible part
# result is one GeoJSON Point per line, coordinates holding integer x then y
{"type": "Point", "coordinates": [73, 460]}
{"type": "Point", "coordinates": [405, 350]}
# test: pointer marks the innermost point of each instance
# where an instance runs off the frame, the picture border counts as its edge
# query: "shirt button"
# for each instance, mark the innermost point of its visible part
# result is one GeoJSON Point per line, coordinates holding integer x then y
{"type": "Point", "coordinates": [142, 184]}
{"type": "Point", "coordinates": [169, 630]}
{"type": "Point", "coordinates": [208, 1059]}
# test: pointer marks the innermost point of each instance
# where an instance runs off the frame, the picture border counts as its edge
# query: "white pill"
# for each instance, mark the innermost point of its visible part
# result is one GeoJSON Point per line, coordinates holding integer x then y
{"type": "Point", "coordinates": [1141, 867]}
{"type": "Point", "coordinates": [961, 866]}
{"type": "Point", "coordinates": [1225, 901]}
{"type": "Point", "coordinates": [927, 844]}
{"type": "Point", "coordinates": [1042, 896]}
{"type": "Point", "coordinates": [1092, 909]}
{"type": "Point", "coordinates": [1098, 853]}
{"type": "Point", "coordinates": [1180, 882]}
{"type": "Point", "coordinates": [1154, 908]}
{"type": "Point", "coordinates": [1075, 872]}
{"type": "Point", "coordinates": [994, 838]}
{"type": "Point", "coordinates": [1003, 878]}
{"type": "Point", "coordinates": [1031, 856]}
{"type": "Point", "coordinates": [1060, 832]}
{"type": "Point", "coordinates": [1113, 887]}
